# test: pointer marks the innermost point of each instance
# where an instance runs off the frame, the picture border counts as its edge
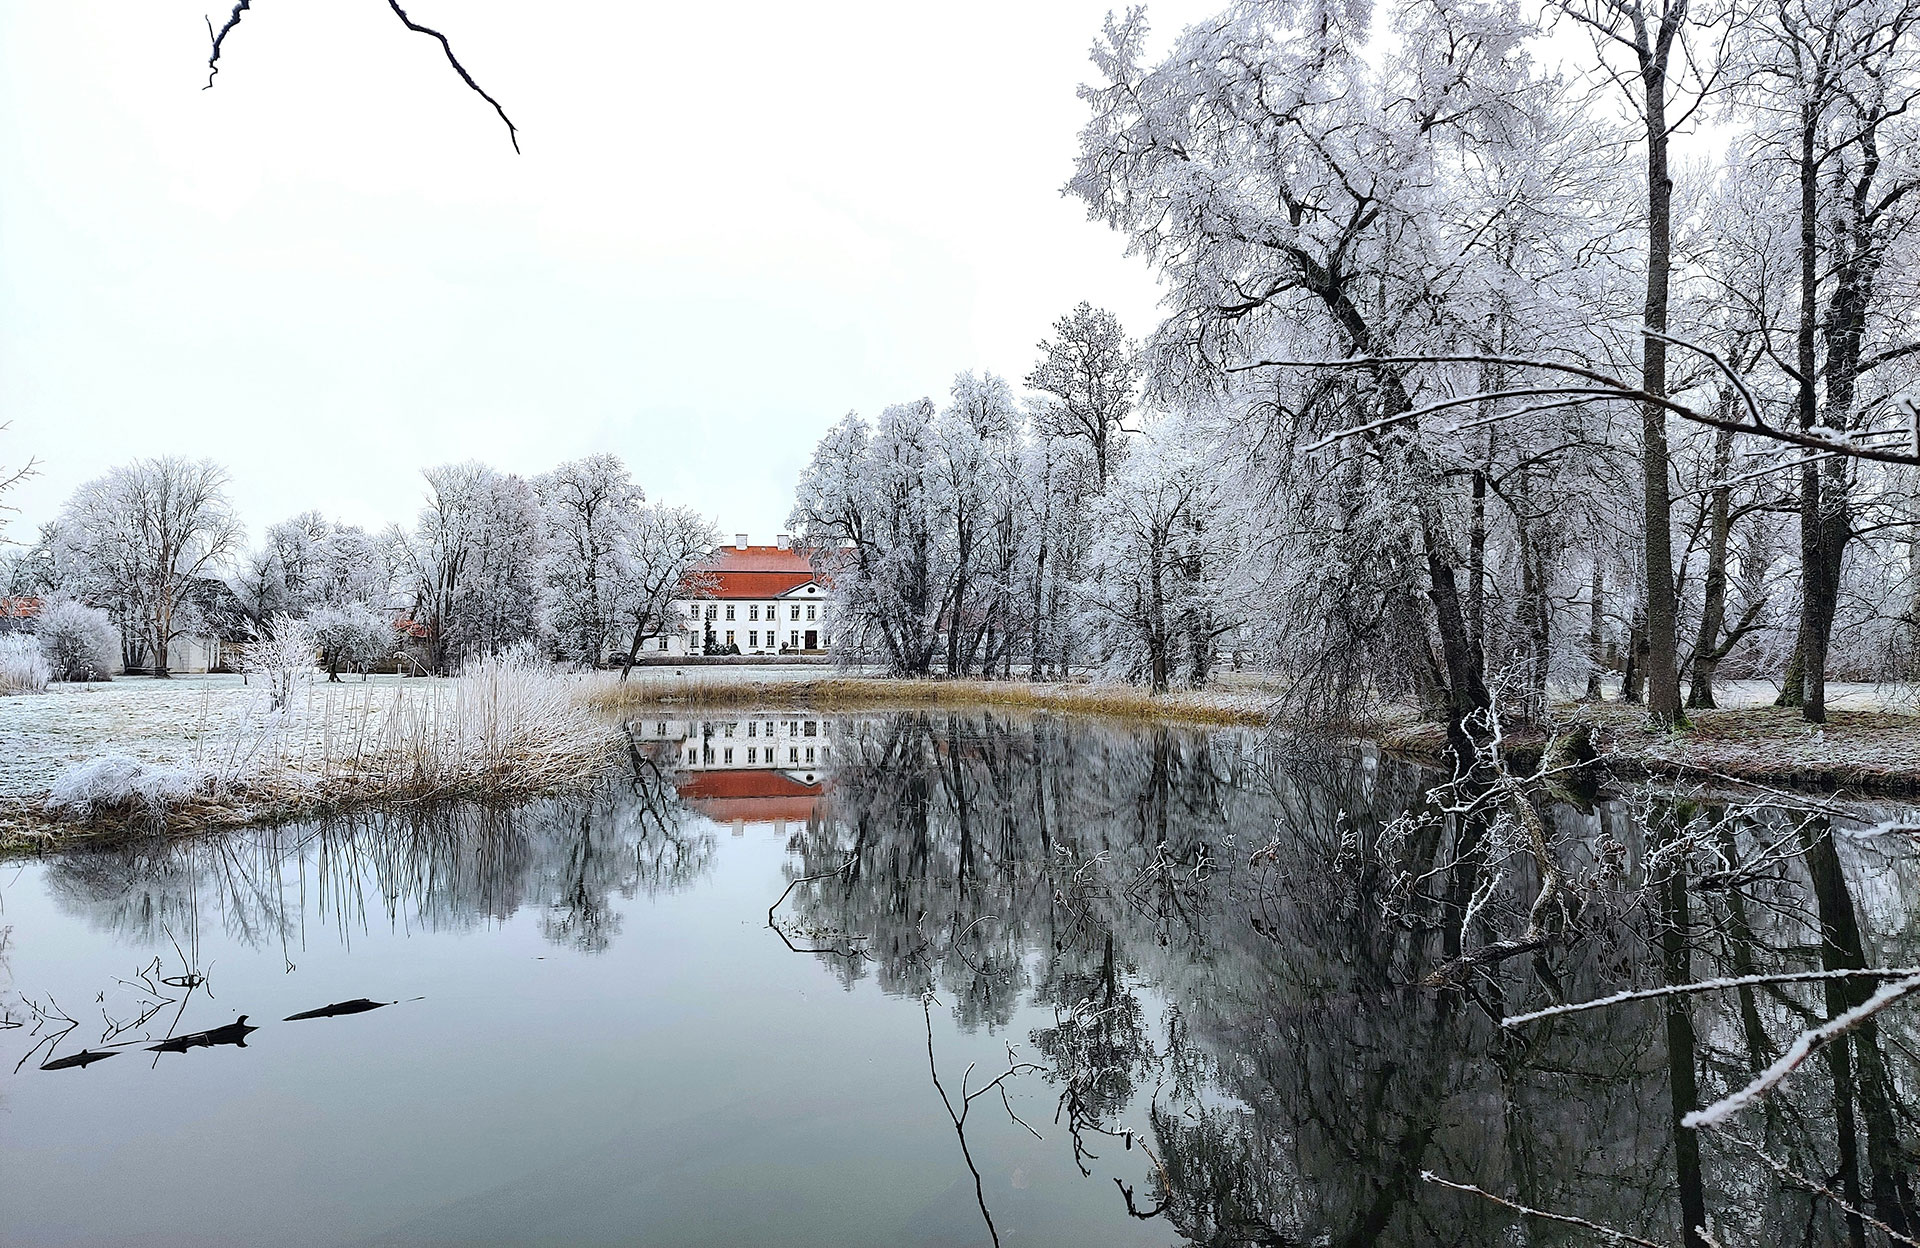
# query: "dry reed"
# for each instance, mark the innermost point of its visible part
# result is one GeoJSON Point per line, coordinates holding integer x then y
{"type": "Point", "coordinates": [842, 693]}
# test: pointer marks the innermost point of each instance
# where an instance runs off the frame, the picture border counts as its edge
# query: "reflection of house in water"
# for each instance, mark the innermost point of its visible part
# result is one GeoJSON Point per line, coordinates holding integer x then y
{"type": "Point", "coordinates": [760, 770]}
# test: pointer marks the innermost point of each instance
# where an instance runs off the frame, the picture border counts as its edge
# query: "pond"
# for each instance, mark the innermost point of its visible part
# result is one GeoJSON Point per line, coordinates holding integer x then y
{"type": "Point", "coordinates": [1039, 981]}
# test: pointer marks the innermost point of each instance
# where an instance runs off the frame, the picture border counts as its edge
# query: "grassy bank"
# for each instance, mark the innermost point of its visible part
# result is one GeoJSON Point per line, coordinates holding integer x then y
{"type": "Point", "coordinates": [507, 730]}
{"type": "Point", "coordinates": [1863, 750]}
{"type": "Point", "coordinates": [1232, 703]}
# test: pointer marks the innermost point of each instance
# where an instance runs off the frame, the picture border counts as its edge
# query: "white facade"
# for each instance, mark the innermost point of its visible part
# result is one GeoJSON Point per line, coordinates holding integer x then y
{"type": "Point", "coordinates": [794, 623]}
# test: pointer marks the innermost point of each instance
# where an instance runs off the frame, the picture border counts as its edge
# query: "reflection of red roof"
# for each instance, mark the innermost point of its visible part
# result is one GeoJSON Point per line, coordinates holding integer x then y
{"type": "Point", "coordinates": [752, 796]}
{"type": "Point", "coordinates": [754, 571]}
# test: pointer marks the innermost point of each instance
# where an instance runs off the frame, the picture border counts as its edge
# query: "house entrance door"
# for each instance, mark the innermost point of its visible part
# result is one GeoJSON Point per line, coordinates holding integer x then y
{"type": "Point", "coordinates": [813, 639]}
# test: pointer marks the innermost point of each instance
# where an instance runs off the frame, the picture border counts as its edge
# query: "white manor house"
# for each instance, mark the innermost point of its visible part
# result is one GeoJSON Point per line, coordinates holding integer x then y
{"type": "Point", "coordinates": [765, 600]}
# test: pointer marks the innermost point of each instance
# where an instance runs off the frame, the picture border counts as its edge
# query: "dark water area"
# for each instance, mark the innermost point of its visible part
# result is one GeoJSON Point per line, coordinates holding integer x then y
{"type": "Point", "coordinates": [1174, 989]}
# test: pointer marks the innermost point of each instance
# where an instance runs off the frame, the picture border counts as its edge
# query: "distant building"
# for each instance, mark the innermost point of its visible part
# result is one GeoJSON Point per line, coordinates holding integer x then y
{"type": "Point", "coordinates": [215, 644]}
{"type": "Point", "coordinates": [18, 614]}
{"type": "Point", "coordinates": [766, 600]}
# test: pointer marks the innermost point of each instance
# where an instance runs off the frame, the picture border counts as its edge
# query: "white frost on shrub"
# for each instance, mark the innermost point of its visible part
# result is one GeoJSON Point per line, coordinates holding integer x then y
{"type": "Point", "coordinates": [121, 782]}
{"type": "Point", "coordinates": [23, 669]}
{"type": "Point", "coordinates": [78, 640]}
{"type": "Point", "coordinates": [284, 658]}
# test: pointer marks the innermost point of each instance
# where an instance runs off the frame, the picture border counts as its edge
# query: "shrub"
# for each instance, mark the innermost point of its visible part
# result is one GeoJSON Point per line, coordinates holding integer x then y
{"type": "Point", "coordinates": [78, 641]}
{"type": "Point", "coordinates": [120, 782]}
{"type": "Point", "coordinates": [283, 658]}
{"type": "Point", "coordinates": [23, 669]}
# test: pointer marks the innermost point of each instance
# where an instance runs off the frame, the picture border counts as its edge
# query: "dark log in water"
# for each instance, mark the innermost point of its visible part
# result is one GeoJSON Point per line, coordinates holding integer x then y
{"type": "Point", "coordinates": [235, 1032]}
{"type": "Point", "coordinates": [82, 1059]}
{"type": "Point", "coordinates": [359, 1005]}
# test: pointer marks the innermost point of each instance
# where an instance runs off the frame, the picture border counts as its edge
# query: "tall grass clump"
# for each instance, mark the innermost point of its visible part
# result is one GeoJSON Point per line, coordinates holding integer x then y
{"type": "Point", "coordinates": [509, 725]}
{"type": "Point", "coordinates": [23, 668]}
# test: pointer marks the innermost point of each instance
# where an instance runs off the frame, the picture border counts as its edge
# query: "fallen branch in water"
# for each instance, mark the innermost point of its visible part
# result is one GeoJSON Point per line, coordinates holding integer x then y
{"type": "Point", "coordinates": [1706, 985]}
{"type": "Point", "coordinates": [786, 892]}
{"type": "Point", "coordinates": [1799, 1180]}
{"type": "Point", "coordinates": [1527, 1211]}
{"type": "Point", "coordinates": [1804, 1046]}
{"type": "Point", "coordinates": [967, 1099]}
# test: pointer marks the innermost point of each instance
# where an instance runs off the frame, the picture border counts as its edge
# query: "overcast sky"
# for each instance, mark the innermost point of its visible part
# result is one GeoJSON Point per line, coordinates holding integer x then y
{"type": "Point", "coordinates": [731, 224]}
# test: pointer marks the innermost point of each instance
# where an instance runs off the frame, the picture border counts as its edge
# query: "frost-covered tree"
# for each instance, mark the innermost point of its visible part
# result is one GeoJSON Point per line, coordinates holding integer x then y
{"type": "Point", "coordinates": [470, 565]}
{"type": "Point", "coordinates": [1090, 369]}
{"type": "Point", "coordinates": [871, 497]}
{"type": "Point", "coordinates": [591, 508]}
{"type": "Point", "coordinates": [138, 540]}
{"type": "Point", "coordinates": [9, 478]}
{"type": "Point", "coordinates": [308, 563]}
{"type": "Point", "coordinates": [1304, 200]}
{"type": "Point", "coordinates": [661, 565]}
{"type": "Point", "coordinates": [1830, 87]}
{"type": "Point", "coordinates": [1164, 576]}
{"type": "Point", "coordinates": [351, 635]}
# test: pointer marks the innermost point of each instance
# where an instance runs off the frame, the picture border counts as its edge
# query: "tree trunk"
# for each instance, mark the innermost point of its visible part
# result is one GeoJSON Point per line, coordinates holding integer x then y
{"type": "Point", "coordinates": [1596, 629]}
{"type": "Point", "coordinates": [1713, 608]}
{"type": "Point", "coordinates": [1662, 627]}
{"type": "Point", "coordinates": [1633, 680]}
{"type": "Point", "coordinates": [1477, 566]}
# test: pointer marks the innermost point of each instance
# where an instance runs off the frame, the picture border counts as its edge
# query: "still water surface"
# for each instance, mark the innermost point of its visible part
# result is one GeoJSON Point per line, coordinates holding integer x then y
{"type": "Point", "coordinates": [1201, 968]}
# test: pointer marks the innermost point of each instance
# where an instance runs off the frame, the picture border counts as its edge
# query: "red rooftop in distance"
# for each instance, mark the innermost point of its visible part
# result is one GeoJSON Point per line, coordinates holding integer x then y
{"type": "Point", "coordinates": [743, 571]}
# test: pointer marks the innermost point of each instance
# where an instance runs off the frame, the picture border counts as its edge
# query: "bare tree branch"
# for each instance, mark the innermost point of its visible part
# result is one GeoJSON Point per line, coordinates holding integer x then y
{"type": "Point", "coordinates": [233, 19]}
{"type": "Point", "coordinates": [513, 132]}
{"type": "Point", "coordinates": [241, 6]}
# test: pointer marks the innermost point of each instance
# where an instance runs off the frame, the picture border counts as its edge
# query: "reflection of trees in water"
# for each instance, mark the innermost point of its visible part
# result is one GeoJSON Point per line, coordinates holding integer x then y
{"type": "Point", "coordinates": [1297, 1084]}
{"type": "Point", "coordinates": [436, 868]}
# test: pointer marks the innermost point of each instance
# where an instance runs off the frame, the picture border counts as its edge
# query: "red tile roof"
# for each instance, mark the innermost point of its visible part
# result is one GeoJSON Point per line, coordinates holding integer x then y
{"type": "Point", "coordinates": [19, 608]}
{"type": "Point", "coordinates": [755, 571]}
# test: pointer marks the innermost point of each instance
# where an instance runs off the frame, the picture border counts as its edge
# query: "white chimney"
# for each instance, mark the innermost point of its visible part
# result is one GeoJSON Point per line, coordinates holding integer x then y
{"type": "Point", "coordinates": [740, 541]}
{"type": "Point", "coordinates": [784, 541]}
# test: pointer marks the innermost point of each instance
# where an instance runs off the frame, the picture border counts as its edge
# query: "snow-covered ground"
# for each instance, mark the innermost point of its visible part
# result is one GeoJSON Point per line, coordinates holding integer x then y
{"type": "Point", "coordinates": [159, 721]}
{"type": "Point", "coordinates": [181, 720]}
{"type": "Point", "coordinates": [1841, 695]}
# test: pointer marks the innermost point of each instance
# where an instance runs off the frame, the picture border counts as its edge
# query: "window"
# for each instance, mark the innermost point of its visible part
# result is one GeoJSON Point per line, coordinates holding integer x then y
{"type": "Point", "coordinates": [809, 610]}
{"type": "Point", "coordinates": [729, 610]}
{"type": "Point", "coordinates": [753, 612]}
{"type": "Point", "coordinates": [751, 752]}
{"type": "Point", "coordinates": [713, 612]}
{"type": "Point", "coordinates": [812, 729]}
{"type": "Point", "coordinates": [796, 612]}
{"type": "Point", "coordinates": [693, 609]}
{"type": "Point", "coordinates": [793, 638]}
{"type": "Point", "coordinates": [729, 632]}
{"type": "Point", "coordinates": [693, 756]}
{"type": "Point", "coordinates": [660, 730]}
{"type": "Point", "coordinates": [768, 734]}
{"type": "Point", "coordinates": [753, 637]}
{"type": "Point", "coordinates": [753, 728]}
{"type": "Point", "coordinates": [729, 758]}
{"type": "Point", "coordinates": [727, 731]}
{"type": "Point", "coordinates": [793, 755]}
{"type": "Point", "coordinates": [809, 753]}
{"type": "Point", "coordinates": [663, 643]}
